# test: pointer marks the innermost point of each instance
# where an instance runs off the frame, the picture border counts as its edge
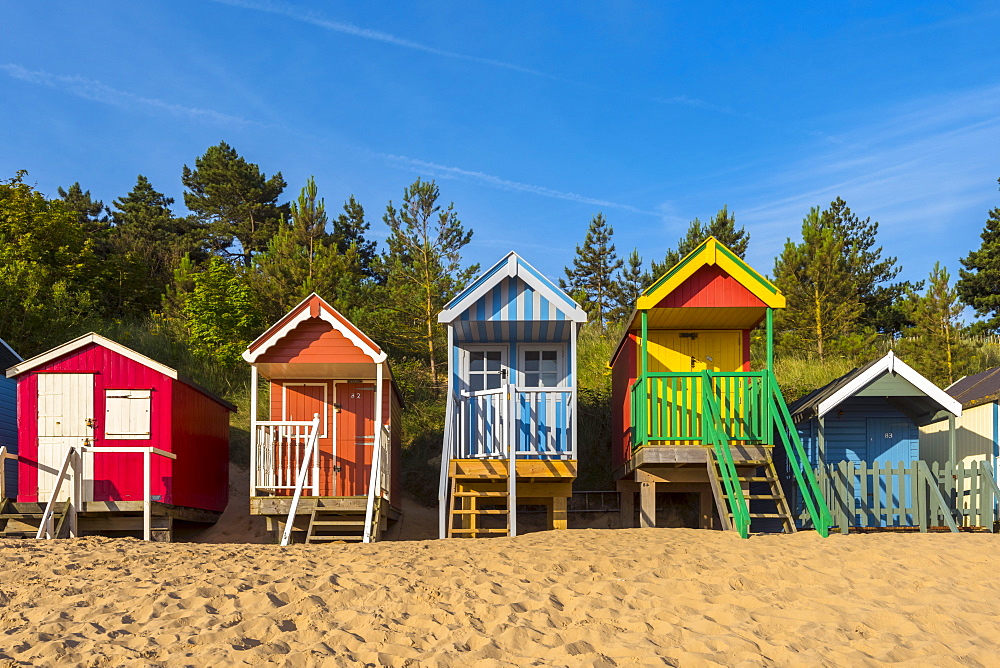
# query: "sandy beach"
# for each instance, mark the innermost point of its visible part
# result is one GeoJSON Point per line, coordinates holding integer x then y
{"type": "Point", "coordinates": [637, 597]}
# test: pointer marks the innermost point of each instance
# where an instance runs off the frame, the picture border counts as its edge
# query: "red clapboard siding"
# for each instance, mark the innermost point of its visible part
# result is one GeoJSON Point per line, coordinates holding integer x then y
{"type": "Point", "coordinates": [314, 340]}
{"type": "Point", "coordinates": [201, 442]}
{"type": "Point", "coordinates": [710, 287]}
{"type": "Point", "coordinates": [623, 374]}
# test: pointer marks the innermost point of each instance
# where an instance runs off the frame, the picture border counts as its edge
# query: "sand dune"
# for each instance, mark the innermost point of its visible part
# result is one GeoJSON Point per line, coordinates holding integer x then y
{"type": "Point", "coordinates": [637, 597]}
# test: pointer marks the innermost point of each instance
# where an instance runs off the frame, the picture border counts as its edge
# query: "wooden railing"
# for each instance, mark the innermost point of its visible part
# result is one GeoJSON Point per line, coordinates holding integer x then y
{"type": "Point", "coordinates": [872, 495]}
{"type": "Point", "coordinates": [667, 407]}
{"type": "Point", "coordinates": [538, 421]}
{"type": "Point", "coordinates": [71, 470]}
{"type": "Point", "coordinates": [378, 485]}
{"type": "Point", "coordinates": [279, 451]}
{"type": "Point", "coordinates": [4, 456]}
{"type": "Point", "coordinates": [307, 463]}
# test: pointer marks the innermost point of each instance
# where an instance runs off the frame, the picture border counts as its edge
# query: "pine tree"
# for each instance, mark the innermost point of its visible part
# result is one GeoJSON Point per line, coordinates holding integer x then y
{"type": "Point", "coordinates": [816, 279]}
{"type": "Point", "coordinates": [628, 287]}
{"type": "Point", "coordinates": [349, 229]}
{"type": "Point", "coordinates": [235, 200]}
{"type": "Point", "coordinates": [423, 268]}
{"type": "Point", "coordinates": [979, 281]}
{"type": "Point", "coordinates": [594, 270]}
{"type": "Point", "coordinates": [722, 226]}
{"type": "Point", "coordinates": [932, 344]}
{"type": "Point", "coordinates": [302, 258]}
{"type": "Point", "coordinates": [147, 242]}
{"type": "Point", "coordinates": [872, 273]}
{"type": "Point", "coordinates": [90, 212]}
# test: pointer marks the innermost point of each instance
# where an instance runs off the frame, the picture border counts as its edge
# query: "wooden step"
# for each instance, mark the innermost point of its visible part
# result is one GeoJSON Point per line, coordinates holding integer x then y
{"type": "Point", "coordinates": [483, 494]}
{"type": "Point", "coordinates": [481, 512]}
{"type": "Point", "coordinates": [480, 530]}
{"type": "Point", "coordinates": [326, 538]}
{"type": "Point", "coordinates": [756, 479]}
{"type": "Point", "coordinates": [338, 523]}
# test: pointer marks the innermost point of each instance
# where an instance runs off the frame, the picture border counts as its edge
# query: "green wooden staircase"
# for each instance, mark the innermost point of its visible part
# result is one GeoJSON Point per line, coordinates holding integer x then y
{"type": "Point", "coordinates": [731, 477]}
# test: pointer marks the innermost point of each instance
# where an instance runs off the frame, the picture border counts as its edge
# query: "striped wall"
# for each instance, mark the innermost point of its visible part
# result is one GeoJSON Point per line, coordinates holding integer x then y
{"type": "Point", "coordinates": [976, 436]}
{"type": "Point", "coordinates": [847, 433]}
{"type": "Point", "coordinates": [512, 311]}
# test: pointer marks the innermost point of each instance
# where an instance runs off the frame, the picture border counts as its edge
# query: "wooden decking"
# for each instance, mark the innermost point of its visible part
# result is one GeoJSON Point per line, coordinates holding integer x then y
{"type": "Point", "coordinates": [21, 520]}
{"type": "Point", "coordinates": [322, 518]}
{"type": "Point", "coordinates": [480, 488]}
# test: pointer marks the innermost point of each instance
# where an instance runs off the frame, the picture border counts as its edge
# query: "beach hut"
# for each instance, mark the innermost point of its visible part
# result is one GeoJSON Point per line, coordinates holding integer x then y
{"type": "Point", "coordinates": [319, 465]}
{"type": "Point", "coordinates": [8, 424]}
{"type": "Point", "coordinates": [510, 423]}
{"type": "Point", "coordinates": [977, 430]}
{"type": "Point", "coordinates": [111, 440]}
{"type": "Point", "coordinates": [689, 414]}
{"type": "Point", "coordinates": [862, 431]}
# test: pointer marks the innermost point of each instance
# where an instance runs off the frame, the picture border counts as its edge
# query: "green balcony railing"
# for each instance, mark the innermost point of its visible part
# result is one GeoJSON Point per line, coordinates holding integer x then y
{"type": "Point", "coordinates": [719, 410]}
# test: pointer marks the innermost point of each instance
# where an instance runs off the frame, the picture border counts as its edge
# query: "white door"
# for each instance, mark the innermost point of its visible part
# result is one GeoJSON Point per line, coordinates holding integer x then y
{"type": "Point", "coordinates": [485, 375]}
{"type": "Point", "coordinates": [65, 419]}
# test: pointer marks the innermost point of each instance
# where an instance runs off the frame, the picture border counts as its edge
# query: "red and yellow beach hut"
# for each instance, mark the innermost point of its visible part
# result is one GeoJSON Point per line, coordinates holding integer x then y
{"type": "Point", "coordinates": [330, 384]}
{"type": "Point", "coordinates": [119, 441]}
{"type": "Point", "coordinates": [689, 414]}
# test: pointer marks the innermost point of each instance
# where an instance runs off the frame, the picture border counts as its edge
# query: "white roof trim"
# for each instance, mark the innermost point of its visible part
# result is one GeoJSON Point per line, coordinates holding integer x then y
{"type": "Point", "coordinates": [82, 341]}
{"type": "Point", "coordinates": [377, 356]}
{"type": "Point", "coordinates": [12, 351]}
{"type": "Point", "coordinates": [893, 365]}
{"type": "Point", "coordinates": [513, 261]}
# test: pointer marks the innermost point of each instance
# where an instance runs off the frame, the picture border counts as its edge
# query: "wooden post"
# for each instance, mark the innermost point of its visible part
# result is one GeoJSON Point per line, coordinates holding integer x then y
{"type": "Point", "coordinates": [147, 500]}
{"type": "Point", "coordinates": [377, 437]}
{"type": "Point", "coordinates": [559, 513]}
{"type": "Point", "coordinates": [77, 503]}
{"type": "Point", "coordinates": [509, 437]}
{"type": "Point", "coordinates": [253, 430]}
{"type": "Point", "coordinates": [706, 507]}
{"type": "Point", "coordinates": [626, 503]}
{"type": "Point", "coordinates": [446, 446]}
{"type": "Point", "coordinates": [952, 448]}
{"type": "Point", "coordinates": [647, 505]}
{"type": "Point", "coordinates": [642, 419]}
{"type": "Point", "coordinates": [821, 441]}
{"type": "Point", "coordinates": [770, 338]}
{"type": "Point", "coordinates": [574, 382]}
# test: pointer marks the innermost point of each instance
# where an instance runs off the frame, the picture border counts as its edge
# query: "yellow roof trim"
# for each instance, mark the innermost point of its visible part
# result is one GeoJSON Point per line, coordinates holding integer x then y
{"type": "Point", "coordinates": [711, 252]}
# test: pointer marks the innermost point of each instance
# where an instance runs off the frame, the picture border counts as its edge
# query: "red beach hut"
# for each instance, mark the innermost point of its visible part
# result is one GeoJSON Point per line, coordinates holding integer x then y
{"type": "Point", "coordinates": [131, 434]}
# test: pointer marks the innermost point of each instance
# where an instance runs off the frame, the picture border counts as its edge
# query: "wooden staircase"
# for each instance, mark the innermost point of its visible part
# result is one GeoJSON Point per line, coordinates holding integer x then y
{"type": "Point", "coordinates": [22, 519]}
{"type": "Point", "coordinates": [472, 499]}
{"type": "Point", "coordinates": [342, 524]}
{"type": "Point", "coordinates": [748, 484]}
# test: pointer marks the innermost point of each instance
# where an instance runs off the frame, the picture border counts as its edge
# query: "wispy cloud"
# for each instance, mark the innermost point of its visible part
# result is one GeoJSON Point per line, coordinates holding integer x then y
{"type": "Point", "coordinates": [924, 169]}
{"type": "Point", "coordinates": [446, 172]}
{"type": "Point", "coordinates": [376, 35]}
{"type": "Point", "coordinates": [89, 89]}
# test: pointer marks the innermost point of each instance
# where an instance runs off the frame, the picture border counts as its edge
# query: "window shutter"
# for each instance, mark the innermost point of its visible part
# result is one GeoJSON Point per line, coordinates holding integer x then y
{"type": "Point", "coordinates": [127, 414]}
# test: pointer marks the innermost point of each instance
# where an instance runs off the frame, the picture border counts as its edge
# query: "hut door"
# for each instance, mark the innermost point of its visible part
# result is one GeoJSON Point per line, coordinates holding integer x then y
{"type": "Point", "coordinates": [355, 437]}
{"type": "Point", "coordinates": [300, 403]}
{"type": "Point", "coordinates": [889, 445]}
{"type": "Point", "coordinates": [65, 420]}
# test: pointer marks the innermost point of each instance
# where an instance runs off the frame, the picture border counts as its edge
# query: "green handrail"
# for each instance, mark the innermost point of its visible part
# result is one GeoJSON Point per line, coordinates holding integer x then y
{"type": "Point", "coordinates": [715, 433]}
{"type": "Point", "coordinates": [812, 495]}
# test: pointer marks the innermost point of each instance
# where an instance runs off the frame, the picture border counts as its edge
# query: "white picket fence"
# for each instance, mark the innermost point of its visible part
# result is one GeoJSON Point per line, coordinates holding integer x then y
{"type": "Point", "coordinates": [279, 449]}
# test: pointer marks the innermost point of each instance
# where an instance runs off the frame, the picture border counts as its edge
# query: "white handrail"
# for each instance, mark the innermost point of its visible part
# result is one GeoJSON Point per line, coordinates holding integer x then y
{"type": "Point", "coordinates": [45, 528]}
{"type": "Point", "coordinates": [376, 488]}
{"type": "Point", "coordinates": [304, 467]}
{"type": "Point", "coordinates": [451, 414]}
{"type": "Point", "coordinates": [147, 477]}
{"type": "Point", "coordinates": [276, 446]}
{"type": "Point", "coordinates": [4, 456]}
{"type": "Point", "coordinates": [509, 437]}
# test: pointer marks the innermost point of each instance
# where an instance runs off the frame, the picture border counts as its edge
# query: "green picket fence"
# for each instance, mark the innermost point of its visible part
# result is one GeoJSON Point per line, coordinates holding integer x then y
{"type": "Point", "coordinates": [915, 495]}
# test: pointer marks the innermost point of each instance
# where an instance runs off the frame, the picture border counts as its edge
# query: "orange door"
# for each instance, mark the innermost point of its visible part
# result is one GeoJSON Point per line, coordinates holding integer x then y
{"type": "Point", "coordinates": [355, 437]}
{"type": "Point", "coordinates": [302, 402]}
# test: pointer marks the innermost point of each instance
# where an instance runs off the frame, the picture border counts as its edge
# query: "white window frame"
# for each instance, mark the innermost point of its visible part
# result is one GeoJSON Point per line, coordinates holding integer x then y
{"type": "Point", "coordinates": [144, 436]}
{"type": "Point", "coordinates": [466, 357]}
{"type": "Point", "coordinates": [563, 367]}
{"type": "Point", "coordinates": [326, 402]}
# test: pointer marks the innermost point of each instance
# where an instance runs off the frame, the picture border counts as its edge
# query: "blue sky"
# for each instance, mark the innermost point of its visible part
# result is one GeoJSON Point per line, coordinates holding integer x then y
{"type": "Point", "coordinates": [532, 116]}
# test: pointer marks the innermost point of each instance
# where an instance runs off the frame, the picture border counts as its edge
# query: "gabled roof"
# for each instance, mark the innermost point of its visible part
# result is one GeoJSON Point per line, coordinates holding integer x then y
{"type": "Point", "coordinates": [888, 377]}
{"type": "Point", "coordinates": [313, 306]}
{"type": "Point", "coordinates": [7, 355]}
{"type": "Point", "coordinates": [104, 342]}
{"type": "Point", "coordinates": [978, 389]}
{"type": "Point", "coordinates": [711, 253]}
{"type": "Point", "coordinates": [512, 266]}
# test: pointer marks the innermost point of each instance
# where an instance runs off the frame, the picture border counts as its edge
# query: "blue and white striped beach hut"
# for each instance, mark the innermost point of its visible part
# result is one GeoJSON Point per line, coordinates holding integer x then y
{"type": "Point", "coordinates": [511, 380]}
